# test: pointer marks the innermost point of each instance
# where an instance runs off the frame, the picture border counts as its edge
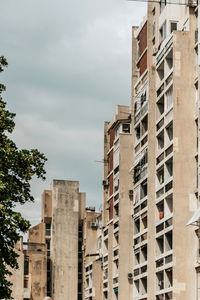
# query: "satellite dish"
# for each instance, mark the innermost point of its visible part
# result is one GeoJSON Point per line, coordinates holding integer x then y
{"type": "Point", "coordinates": [47, 298]}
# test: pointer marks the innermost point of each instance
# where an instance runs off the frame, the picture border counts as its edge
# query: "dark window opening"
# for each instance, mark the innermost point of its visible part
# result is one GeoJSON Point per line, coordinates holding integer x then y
{"type": "Point", "coordinates": [48, 229]}
{"type": "Point", "coordinates": [26, 267]}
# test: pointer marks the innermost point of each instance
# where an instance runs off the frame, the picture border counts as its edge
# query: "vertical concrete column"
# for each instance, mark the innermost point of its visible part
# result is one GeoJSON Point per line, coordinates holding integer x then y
{"type": "Point", "coordinates": [125, 218]}
{"type": "Point", "coordinates": [184, 168]}
{"type": "Point", "coordinates": [64, 247]}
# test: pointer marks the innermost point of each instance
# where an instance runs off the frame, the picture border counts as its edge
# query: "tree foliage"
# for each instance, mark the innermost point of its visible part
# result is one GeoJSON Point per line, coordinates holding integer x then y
{"type": "Point", "coordinates": [17, 167]}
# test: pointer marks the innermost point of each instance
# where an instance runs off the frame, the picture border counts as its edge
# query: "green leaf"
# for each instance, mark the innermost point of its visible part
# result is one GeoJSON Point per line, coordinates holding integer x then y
{"type": "Point", "coordinates": [17, 168]}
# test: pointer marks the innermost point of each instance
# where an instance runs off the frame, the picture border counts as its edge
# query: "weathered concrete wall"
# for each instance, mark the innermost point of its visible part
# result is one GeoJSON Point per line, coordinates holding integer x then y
{"type": "Point", "coordinates": [184, 167]}
{"type": "Point", "coordinates": [46, 206]}
{"type": "Point", "coordinates": [151, 280]}
{"type": "Point", "coordinates": [64, 247]}
{"type": "Point", "coordinates": [90, 236]}
{"type": "Point", "coordinates": [36, 253]}
{"type": "Point", "coordinates": [36, 234]}
{"type": "Point", "coordinates": [110, 262]}
{"type": "Point", "coordinates": [97, 280]}
{"type": "Point", "coordinates": [125, 217]}
{"type": "Point", "coordinates": [17, 278]}
{"type": "Point", "coordinates": [37, 273]}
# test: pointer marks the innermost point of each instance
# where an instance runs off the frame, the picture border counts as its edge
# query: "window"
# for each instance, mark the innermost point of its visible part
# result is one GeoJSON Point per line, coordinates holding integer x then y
{"type": "Point", "coordinates": [154, 28]}
{"type": "Point", "coordinates": [80, 267]}
{"type": "Point", "coordinates": [116, 184]}
{"type": "Point", "coordinates": [26, 266]}
{"type": "Point", "coordinates": [173, 26]}
{"type": "Point", "coordinates": [160, 176]}
{"type": "Point", "coordinates": [160, 280]}
{"type": "Point", "coordinates": [116, 158]}
{"type": "Point", "coordinates": [160, 140]}
{"type": "Point", "coordinates": [143, 98]}
{"type": "Point", "coordinates": [116, 210]}
{"type": "Point", "coordinates": [137, 226]}
{"type": "Point", "coordinates": [169, 131]}
{"type": "Point", "coordinates": [79, 287]}
{"type": "Point", "coordinates": [137, 133]}
{"type": "Point", "coordinates": [48, 241]}
{"type": "Point", "coordinates": [168, 241]}
{"type": "Point", "coordinates": [99, 243]}
{"type": "Point", "coordinates": [126, 128]}
{"type": "Point", "coordinates": [169, 97]}
{"type": "Point", "coordinates": [138, 48]}
{"type": "Point", "coordinates": [137, 105]}
{"type": "Point", "coordinates": [144, 125]}
{"type": "Point", "coordinates": [163, 32]}
{"type": "Point", "coordinates": [25, 284]}
{"type": "Point", "coordinates": [48, 229]}
{"type": "Point", "coordinates": [143, 191]}
{"type": "Point", "coordinates": [117, 131]}
{"type": "Point", "coordinates": [137, 285]}
{"type": "Point", "coordinates": [80, 246]}
{"type": "Point", "coordinates": [136, 195]}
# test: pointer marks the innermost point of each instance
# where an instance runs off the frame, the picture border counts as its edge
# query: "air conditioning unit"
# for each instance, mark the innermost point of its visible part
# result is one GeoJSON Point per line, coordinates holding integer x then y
{"type": "Point", "coordinates": [130, 275]}
{"type": "Point", "coordinates": [192, 3]}
{"type": "Point", "coordinates": [155, 51]}
{"type": "Point", "coordinates": [82, 248]}
{"type": "Point", "coordinates": [130, 192]}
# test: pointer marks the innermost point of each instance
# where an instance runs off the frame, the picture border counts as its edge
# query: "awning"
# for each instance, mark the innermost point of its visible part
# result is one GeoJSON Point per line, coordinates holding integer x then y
{"type": "Point", "coordinates": [195, 218]}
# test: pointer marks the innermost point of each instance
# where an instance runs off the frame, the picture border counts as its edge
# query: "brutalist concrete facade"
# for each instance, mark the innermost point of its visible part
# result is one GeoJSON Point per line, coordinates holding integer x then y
{"type": "Point", "coordinates": [165, 123]}
{"type": "Point", "coordinates": [117, 203]}
{"type": "Point", "coordinates": [51, 261]}
{"type": "Point", "coordinates": [68, 207]}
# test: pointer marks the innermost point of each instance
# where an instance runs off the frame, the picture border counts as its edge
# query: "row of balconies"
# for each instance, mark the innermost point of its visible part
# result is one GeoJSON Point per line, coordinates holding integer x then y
{"type": "Point", "coordinates": [141, 238]}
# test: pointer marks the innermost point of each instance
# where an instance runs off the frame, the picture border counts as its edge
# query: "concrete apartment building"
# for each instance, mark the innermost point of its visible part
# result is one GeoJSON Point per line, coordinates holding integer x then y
{"type": "Point", "coordinates": [151, 165]}
{"type": "Point", "coordinates": [108, 236]}
{"type": "Point", "coordinates": [51, 262]}
{"type": "Point", "coordinates": [117, 259]}
{"type": "Point", "coordinates": [92, 253]}
{"type": "Point", "coordinates": [165, 120]}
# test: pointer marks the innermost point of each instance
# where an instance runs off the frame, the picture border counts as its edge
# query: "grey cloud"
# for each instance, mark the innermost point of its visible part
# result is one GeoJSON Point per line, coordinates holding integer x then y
{"type": "Point", "coordinates": [69, 65]}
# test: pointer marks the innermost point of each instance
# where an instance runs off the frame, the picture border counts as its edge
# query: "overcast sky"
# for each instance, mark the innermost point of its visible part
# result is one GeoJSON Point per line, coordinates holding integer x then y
{"type": "Point", "coordinates": [69, 65]}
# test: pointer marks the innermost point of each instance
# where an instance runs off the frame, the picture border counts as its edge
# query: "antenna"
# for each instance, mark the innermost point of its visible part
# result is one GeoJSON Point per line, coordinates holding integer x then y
{"type": "Point", "coordinates": [103, 161]}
